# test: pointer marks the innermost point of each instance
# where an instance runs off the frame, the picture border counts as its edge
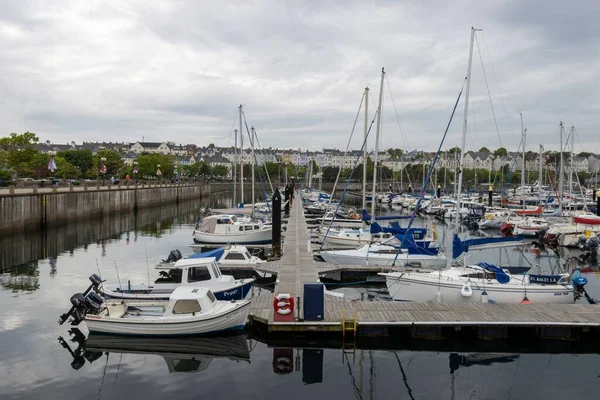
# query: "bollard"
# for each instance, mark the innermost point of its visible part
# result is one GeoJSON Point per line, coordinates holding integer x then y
{"type": "Point", "coordinates": [276, 230]}
{"type": "Point", "coordinates": [11, 189]}
{"type": "Point", "coordinates": [287, 201]}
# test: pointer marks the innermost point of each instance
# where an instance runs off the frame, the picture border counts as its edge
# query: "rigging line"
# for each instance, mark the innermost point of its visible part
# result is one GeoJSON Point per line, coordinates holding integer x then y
{"type": "Point", "coordinates": [348, 182]}
{"type": "Point", "coordinates": [404, 378]}
{"type": "Point", "coordinates": [498, 84]}
{"type": "Point", "coordinates": [396, 112]}
{"type": "Point", "coordinates": [265, 165]}
{"type": "Point", "coordinates": [233, 124]}
{"type": "Point", "coordinates": [262, 183]}
{"type": "Point", "coordinates": [431, 169]}
{"type": "Point", "coordinates": [488, 90]}
{"type": "Point", "coordinates": [341, 167]}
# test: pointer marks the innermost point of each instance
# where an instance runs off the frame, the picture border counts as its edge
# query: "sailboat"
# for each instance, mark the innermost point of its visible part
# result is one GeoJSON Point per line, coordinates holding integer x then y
{"type": "Point", "coordinates": [482, 282]}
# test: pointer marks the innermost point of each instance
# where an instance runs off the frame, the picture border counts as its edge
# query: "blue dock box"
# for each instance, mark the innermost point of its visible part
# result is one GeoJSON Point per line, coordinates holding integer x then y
{"type": "Point", "coordinates": [314, 301]}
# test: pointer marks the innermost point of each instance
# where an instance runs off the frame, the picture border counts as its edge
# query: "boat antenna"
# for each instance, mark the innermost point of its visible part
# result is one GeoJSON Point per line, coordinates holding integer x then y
{"type": "Point", "coordinates": [118, 277]}
{"type": "Point", "coordinates": [98, 267]}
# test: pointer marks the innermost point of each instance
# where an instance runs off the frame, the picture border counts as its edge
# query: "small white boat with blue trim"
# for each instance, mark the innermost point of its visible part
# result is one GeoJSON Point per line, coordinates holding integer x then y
{"type": "Point", "coordinates": [189, 311]}
{"type": "Point", "coordinates": [195, 272]}
{"type": "Point", "coordinates": [225, 228]}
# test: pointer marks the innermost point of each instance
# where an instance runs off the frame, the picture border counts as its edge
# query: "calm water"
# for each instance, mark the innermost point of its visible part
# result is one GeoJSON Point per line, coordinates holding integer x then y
{"type": "Point", "coordinates": [40, 271]}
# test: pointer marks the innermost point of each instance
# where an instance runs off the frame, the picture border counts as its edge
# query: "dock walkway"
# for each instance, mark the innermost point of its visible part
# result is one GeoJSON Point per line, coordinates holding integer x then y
{"type": "Point", "coordinates": [297, 267]}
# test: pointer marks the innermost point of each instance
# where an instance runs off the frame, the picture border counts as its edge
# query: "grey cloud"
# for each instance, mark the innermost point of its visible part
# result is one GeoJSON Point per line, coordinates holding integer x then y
{"type": "Point", "coordinates": [87, 71]}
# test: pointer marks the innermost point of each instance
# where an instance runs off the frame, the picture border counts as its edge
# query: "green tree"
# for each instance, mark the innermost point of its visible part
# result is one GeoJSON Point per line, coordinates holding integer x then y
{"type": "Point", "coordinates": [220, 171]}
{"type": "Point", "coordinates": [500, 152]}
{"type": "Point", "coordinates": [82, 160]}
{"type": "Point", "coordinates": [206, 170]}
{"type": "Point", "coordinates": [148, 165]}
{"type": "Point", "coordinates": [454, 150]}
{"type": "Point", "coordinates": [65, 169]}
{"type": "Point", "coordinates": [395, 153]}
{"type": "Point", "coordinates": [113, 163]}
{"type": "Point", "coordinates": [18, 150]}
{"type": "Point", "coordinates": [484, 150]}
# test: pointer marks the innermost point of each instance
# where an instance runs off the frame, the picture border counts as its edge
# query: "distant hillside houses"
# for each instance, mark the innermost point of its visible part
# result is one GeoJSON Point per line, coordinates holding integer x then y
{"type": "Point", "coordinates": [215, 155]}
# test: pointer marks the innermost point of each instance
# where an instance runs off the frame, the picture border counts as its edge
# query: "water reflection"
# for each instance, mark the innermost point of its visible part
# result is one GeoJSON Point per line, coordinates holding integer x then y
{"type": "Point", "coordinates": [180, 354]}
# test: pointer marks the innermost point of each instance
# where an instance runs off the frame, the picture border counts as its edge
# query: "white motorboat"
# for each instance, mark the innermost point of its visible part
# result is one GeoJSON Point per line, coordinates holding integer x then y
{"type": "Point", "coordinates": [481, 283]}
{"type": "Point", "coordinates": [386, 255]}
{"type": "Point", "coordinates": [225, 229]}
{"type": "Point", "coordinates": [189, 311]}
{"type": "Point", "coordinates": [194, 272]}
{"type": "Point", "coordinates": [227, 255]}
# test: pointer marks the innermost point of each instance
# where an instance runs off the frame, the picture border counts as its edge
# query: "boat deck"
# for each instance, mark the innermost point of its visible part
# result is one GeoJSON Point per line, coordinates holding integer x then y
{"type": "Point", "coordinates": [383, 318]}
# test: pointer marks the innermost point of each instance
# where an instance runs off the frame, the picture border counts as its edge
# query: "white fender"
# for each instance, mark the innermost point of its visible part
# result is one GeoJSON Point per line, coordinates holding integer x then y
{"type": "Point", "coordinates": [283, 296]}
{"type": "Point", "coordinates": [484, 297]}
{"type": "Point", "coordinates": [466, 290]}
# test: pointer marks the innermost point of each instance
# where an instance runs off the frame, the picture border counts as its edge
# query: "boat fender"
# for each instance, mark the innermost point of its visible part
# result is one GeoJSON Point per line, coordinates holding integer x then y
{"type": "Point", "coordinates": [579, 281]}
{"type": "Point", "coordinates": [484, 297]}
{"type": "Point", "coordinates": [283, 304]}
{"type": "Point", "coordinates": [466, 290]}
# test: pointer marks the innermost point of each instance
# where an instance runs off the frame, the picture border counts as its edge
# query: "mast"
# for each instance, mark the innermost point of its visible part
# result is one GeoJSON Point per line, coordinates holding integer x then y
{"type": "Point", "coordinates": [253, 133]}
{"type": "Point", "coordinates": [374, 198]}
{"type": "Point", "coordinates": [523, 131]}
{"type": "Point", "coordinates": [464, 130]}
{"type": "Point", "coordinates": [560, 170]}
{"type": "Point", "coordinates": [572, 136]}
{"type": "Point", "coordinates": [235, 161]}
{"type": "Point", "coordinates": [364, 186]}
{"type": "Point", "coordinates": [541, 172]}
{"type": "Point", "coordinates": [241, 159]}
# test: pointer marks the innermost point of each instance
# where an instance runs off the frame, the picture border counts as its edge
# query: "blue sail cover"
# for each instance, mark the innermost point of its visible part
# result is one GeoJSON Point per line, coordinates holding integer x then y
{"type": "Point", "coordinates": [501, 276]}
{"type": "Point", "coordinates": [367, 217]}
{"type": "Point", "coordinates": [396, 229]}
{"type": "Point", "coordinates": [216, 253]}
{"type": "Point", "coordinates": [460, 246]}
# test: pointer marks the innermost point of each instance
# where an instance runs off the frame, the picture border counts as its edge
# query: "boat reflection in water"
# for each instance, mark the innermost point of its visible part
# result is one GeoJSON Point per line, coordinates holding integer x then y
{"type": "Point", "coordinates": [180, 354]}
{"type": "Point", "coordinates": [468, 359]}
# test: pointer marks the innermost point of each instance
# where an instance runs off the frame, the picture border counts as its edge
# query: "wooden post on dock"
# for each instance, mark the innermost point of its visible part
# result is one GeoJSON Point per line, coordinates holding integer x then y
{"type": "Point", "coordinates": [276, 231]}
{"type": "Point", "coordinates": [287, 201]}
{"type": "Point", "coordinates": [598, 203]}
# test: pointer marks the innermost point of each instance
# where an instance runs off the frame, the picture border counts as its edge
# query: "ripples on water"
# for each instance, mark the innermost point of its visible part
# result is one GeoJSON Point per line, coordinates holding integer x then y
{"type": "Point", "coordinates": [40, 271]}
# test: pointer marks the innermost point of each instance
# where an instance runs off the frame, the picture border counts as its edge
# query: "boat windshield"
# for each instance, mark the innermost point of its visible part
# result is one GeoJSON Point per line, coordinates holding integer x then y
{"type": "Point", "coordinates": [172, 276]}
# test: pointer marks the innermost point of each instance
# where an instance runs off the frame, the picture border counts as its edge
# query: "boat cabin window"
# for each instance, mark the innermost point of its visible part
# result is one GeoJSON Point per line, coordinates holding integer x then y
{"type": "Point", "coordinates": [256, 227]}
{"type": "Point", "coordinates": [211, 296]}
{"type": "Point", "coordinates": [480, 275]}
{"type": "Point", "coordinates": [186, 365]}
{"type": "Point", "coordinates": [171, 276]}
{"type": "Point", "coordinates": [186, 307]}
{"type": "Point", "coordinates": [215, 270]}
{"type": "Point", "coordinates": [235, 256]}
{"type": "Point", "coordinates": [248, 227]}
{"type": "Point", "coordinates": [197, 274]}
{"type": "Point", "coordinates": [241, 228]}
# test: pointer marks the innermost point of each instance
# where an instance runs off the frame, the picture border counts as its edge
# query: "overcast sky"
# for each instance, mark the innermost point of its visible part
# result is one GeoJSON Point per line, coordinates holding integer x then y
{"type": "Point", "coordinates": [177, 70]}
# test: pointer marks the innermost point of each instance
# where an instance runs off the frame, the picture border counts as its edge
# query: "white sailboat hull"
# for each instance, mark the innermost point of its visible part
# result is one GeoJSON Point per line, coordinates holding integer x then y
{"type": "Point", "coordinates": [412, 288]}
{"type": "Point", "coordinates": [262, 236]}
{"type": "Point", "coordinates": [362, 256]}
{"type": "Point", "coordinates": [228, 319]}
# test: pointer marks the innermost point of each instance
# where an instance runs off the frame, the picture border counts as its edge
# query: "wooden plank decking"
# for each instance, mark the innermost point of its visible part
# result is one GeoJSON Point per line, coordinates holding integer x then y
{"type": "Point", "coordinates": [297, 267]}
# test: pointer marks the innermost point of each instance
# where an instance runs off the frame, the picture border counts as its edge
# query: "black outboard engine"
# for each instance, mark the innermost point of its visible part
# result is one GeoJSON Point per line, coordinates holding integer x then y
{"type": "Point", "coordinates": [174, 255]}
{"type": "Point", "coordinates": [88, 302]}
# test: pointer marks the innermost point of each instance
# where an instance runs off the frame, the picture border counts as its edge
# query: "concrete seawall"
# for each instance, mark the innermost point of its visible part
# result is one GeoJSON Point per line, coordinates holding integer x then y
{"type": "Point", "coordinates": [21, 212]}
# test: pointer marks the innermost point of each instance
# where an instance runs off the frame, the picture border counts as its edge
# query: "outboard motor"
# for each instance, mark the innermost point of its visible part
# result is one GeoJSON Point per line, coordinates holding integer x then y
{"type": "Point", "coordinates": [174, 255]}
{"type": "Point", "coordinates": [84, 303]}
{"type": "Point", "coordinates": [578, 285]}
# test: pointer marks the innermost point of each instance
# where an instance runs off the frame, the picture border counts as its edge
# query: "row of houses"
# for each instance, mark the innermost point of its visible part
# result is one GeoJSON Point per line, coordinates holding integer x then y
{"type": "Point", "coordinates": [214, 155]}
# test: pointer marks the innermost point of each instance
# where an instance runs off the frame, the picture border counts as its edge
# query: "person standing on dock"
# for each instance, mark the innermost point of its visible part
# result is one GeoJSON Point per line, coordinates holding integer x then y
{"type": "Point", "coordinates": [127, 179]}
